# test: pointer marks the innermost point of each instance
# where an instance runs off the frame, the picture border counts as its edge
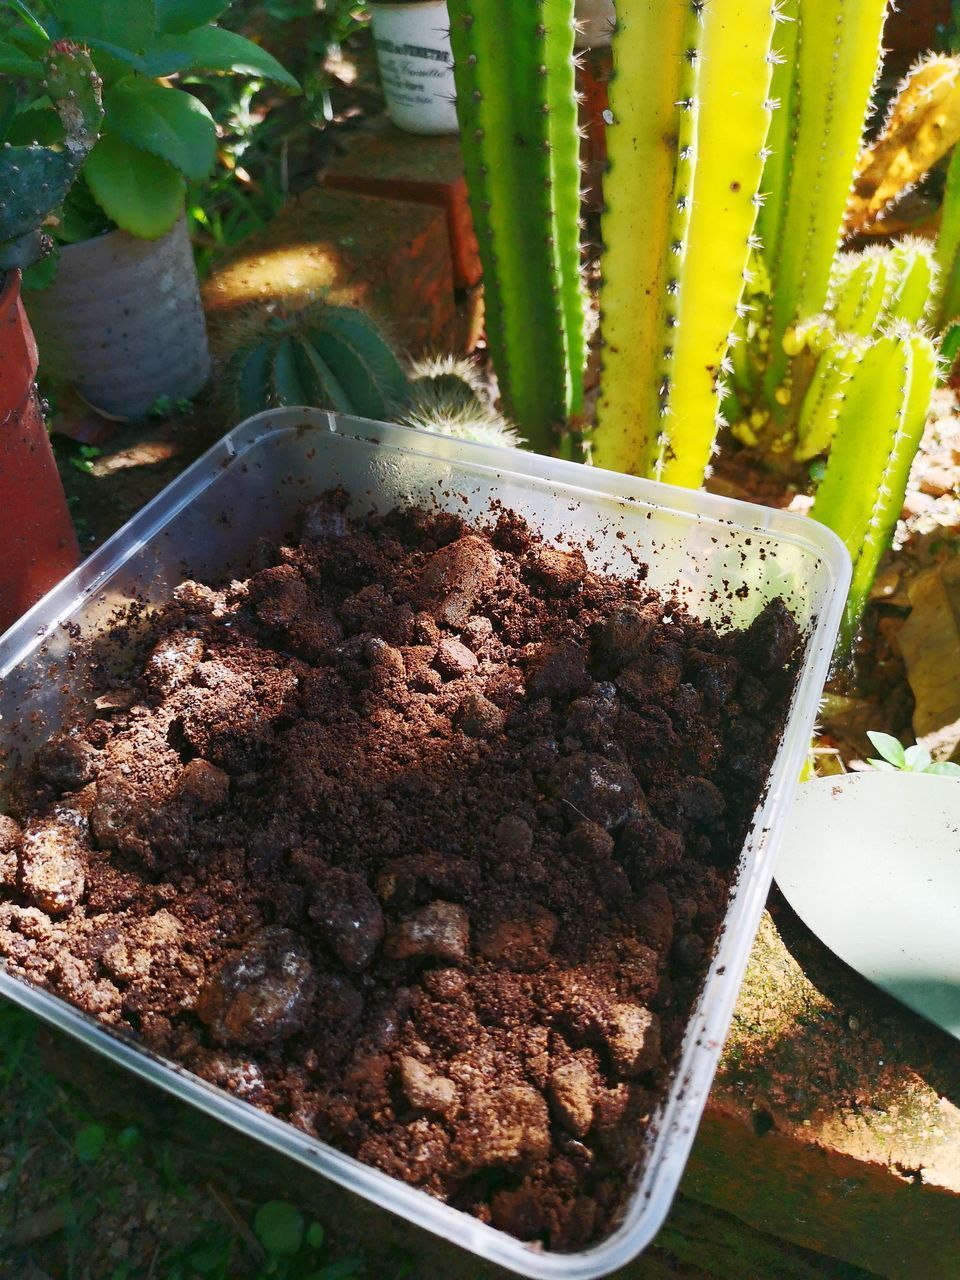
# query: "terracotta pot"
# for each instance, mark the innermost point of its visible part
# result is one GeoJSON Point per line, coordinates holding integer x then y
{"type": "Point", "coordinates": [36, 533]}
{"type": "Point", "coordinates": [123, 323]}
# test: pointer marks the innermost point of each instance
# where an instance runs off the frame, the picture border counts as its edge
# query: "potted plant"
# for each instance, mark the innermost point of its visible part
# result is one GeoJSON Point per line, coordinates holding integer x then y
{"type": "Point", "coordinates": [412, 39]}
{"type": "Point", "coordinates": [122, 318]}
{"type": "Point", "coordinates": [38, 538]}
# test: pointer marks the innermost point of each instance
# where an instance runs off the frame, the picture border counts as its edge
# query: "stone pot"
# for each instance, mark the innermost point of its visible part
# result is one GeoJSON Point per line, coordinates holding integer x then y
{"type": "Point", "coordinates": [36, 533]}
{"type": "Point", "coordinates": [122, 322]}
{"type": "Point", "coordinates": [412, 40]}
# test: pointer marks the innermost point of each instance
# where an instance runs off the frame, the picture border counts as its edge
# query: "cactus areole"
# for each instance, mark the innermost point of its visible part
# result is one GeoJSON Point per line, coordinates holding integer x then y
{"type": "Point", "coordinates": [35, 528]}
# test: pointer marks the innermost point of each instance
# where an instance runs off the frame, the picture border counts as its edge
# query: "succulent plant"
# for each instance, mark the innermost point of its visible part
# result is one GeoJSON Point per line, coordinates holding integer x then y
{"type": "Point", "coordinates": [34, 179]}
{"type": "Point", "coordinates": [691, 107]}
{"type": "Point", "coordinates": [516, 102]}
{"type": "Point", "coordinates": [154, 136]}
{"type": "Point", "coordinates": [447, 397]}
{"type": "Point", "coordinates": [879, 425]}
{"type": "Point", "coordinates": [332, 357]}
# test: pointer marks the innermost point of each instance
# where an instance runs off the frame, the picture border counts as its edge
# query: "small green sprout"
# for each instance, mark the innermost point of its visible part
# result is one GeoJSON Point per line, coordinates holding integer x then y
{"type": "Point", "coordinates": [915, 759]}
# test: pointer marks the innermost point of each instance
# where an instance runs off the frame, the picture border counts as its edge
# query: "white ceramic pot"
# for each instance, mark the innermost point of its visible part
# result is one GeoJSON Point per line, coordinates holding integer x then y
{"type": "Point", "coordinates": [595, 22]}
{"type": "Point", "coordinates": [123, 323]}
{"type": "Point", "coordinates": [416, 65]}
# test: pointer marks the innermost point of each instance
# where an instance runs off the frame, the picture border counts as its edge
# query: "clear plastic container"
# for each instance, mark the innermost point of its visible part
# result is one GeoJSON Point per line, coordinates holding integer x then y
{"type": "Point", "coordinates": [253, 483]}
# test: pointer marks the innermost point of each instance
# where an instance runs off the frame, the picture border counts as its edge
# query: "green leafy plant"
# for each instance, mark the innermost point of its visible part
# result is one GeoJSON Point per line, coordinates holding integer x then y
{"type": "Point", "coordinates": [335, 357]}
{"type": "Point", "coordinates": [513, 63]}
{"type": "Point", "coordinates": [916, 759]}
{"type": "Point", "coordinates": [155, 136]}
{"type": "Point", "coordinates": [35, 177]}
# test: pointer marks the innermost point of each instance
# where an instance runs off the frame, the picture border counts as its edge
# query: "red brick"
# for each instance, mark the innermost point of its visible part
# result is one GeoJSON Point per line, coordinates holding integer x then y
{"type": "Point", "coordinates": [390, 257]}
{"type": "Point", "coordinates": [394, 165]}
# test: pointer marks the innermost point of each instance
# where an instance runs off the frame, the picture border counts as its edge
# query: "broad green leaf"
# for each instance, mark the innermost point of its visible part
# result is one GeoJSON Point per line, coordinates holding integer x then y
{"type": "Point", "coordinates": [214, 49]}
{"type": "Point", "coordinates": [130, 24]}
{"type": "Point", "coordinates": [175, 16]}
{"type": "Point", "coordinates": [139, 191]}
{"type": "Point", "coordinates": [13, 62]}
{"type": "Point", "coordinates": [38, 33]}
{"type": "Point", "coordinates": [90, 1142]}
{"type": "Point", "coordinates": [279, 1227]}
{"type": "Point", "coordinates": [944, 769]}
{"type": "Point", "coordinates": [890, 748]}
{"type": "Point", "coordinates": [917, 758]}
{"type": "Point", "coordinates": [884, 766]}
{"type": "Point", "coordinates": [170, 123]}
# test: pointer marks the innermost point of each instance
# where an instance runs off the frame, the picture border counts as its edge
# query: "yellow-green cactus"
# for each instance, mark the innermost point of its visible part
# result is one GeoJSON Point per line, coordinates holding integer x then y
{"type": "Point", "coordinates": [691, 110]}
{"type": "Point", "coordinates": [879, 426]}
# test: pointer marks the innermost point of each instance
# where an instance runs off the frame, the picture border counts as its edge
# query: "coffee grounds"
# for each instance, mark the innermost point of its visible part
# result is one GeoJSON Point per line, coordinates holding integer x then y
{"type": "Point", "coordinates": [419, 838]}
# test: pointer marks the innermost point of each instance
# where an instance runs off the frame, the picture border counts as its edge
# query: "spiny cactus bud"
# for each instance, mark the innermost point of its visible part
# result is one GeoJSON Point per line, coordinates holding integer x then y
{"type": "Point", "coordinates": [36, 179]}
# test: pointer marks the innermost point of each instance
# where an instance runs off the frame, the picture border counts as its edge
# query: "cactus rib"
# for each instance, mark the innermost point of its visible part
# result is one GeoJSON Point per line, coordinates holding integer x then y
{"type": "Point", "coordinates": [948, 246]}
{"type": "Point", "coordinates": [837, 61]}
{"type": "Point", "coordinates": [512, 63]}
{"type": "Point", "coordinates": [879, 428]}
{"type": "Point", "coordinates": [673, 280]}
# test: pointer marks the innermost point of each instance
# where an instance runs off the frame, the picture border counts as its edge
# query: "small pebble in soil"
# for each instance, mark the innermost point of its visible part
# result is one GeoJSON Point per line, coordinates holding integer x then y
{"type": "Point", "coordinates": [478, 717]}
{"type": "Point", "coordinates": [262, 995]}
{"type": "Point", "coordinates": [594, 788]}
{"type": "Point", "coordinates": [558, 671]}
{"type": "Point", "coordinates": [455, 577]}
{"type": "Point", "coordinates": [51, 872]}
{"type": "Point", "coordinates": [425, 1089]}
{"type": "Point", "coordinates": [504, 1126]}
{"type": "Point", "coordinates": [633, 1039]}
{"type": "Point", "coordinates": [348, 918]}
{"type": "Point", "coordinates": [440, 929]}
{"type": "Point", "coordinates": [203, 786]}
{"type": "Point", "coordinates": [572, 1093]}
{"type": "Point", "coordinates": [67, 762]}
{"type": "Point", "coordinates": [454, 659]}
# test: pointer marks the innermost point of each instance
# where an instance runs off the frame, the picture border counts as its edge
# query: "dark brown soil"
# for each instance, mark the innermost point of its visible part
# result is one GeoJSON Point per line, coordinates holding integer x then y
{"type": "Point", "coordinates": [419, 838]}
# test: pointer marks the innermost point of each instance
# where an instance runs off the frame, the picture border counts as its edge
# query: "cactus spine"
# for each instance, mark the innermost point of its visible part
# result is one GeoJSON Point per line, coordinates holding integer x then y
{"type": "Point", "coordinates": [827, 80]}
{"type": "Point", "coordinates": [513, 63]}
{"type": "Point", "coordinates": [690, 117]}
{"type": "Point", "coordinates": [35, 179]}
{"type": "Point", "coordinates": [879, 427]}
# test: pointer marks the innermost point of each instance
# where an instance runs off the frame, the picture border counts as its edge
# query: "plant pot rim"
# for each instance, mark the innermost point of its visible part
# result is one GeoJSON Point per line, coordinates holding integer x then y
{"type": "Point", "coordinates": [118, 233]}
{"type": "Point", "coordinates": [10, 279]}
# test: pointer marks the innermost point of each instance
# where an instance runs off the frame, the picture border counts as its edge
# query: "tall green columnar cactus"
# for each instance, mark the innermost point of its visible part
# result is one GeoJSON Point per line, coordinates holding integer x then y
{"type": "Point", "coordinates": [34, 179]}
{"type": "Point", "coordinates": [691, 111]}
{"type": "Point", "coordinates": [513, 63]}
{"type": "Point", "coordinates": [824, 86]}
{"type": "Point", "coordinates": [948, 247]}
{"type": "Point", "coordinates": [879, 425]}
